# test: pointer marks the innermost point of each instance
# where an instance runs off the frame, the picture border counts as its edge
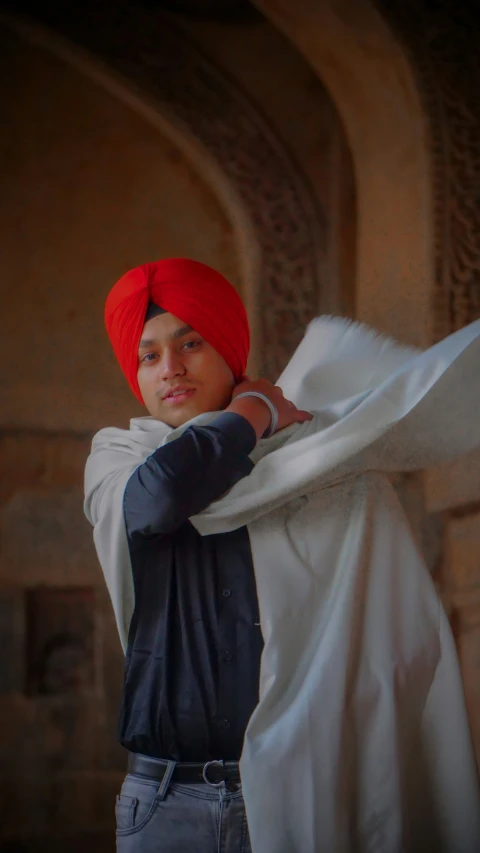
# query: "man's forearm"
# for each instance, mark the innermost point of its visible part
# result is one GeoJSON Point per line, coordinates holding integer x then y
{"type": "Point", "coordinates": [185, 476]}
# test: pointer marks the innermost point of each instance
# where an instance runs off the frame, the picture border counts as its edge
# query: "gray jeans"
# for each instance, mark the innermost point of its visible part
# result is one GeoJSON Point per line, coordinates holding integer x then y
{"type": "Point", "coordinates": [165, 817]}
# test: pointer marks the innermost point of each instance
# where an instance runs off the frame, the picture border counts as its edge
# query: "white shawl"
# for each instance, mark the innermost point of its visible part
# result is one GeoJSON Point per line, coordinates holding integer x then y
{"type": "Point", "coordinates": [360, 740]}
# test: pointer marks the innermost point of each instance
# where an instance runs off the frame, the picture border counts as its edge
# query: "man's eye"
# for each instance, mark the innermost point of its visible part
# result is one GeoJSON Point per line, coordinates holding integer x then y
{"type": "Point", "coordinates": [191, 344]}
{"type": "Point", "coordinates": [149, 356]}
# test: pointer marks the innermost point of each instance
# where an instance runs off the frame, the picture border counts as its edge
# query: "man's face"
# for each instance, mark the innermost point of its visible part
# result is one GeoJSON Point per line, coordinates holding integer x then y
{"type": "Point", "coordinates": [172, 357]}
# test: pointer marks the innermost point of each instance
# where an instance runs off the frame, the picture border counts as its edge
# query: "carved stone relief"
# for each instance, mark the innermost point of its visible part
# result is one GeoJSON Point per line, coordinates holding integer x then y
{"type": "Point", "coordinates": [444, 47]}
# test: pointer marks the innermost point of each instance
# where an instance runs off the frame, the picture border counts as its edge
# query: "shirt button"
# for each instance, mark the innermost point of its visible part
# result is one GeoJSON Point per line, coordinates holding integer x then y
{"type": "Point", "coordinates": [228, 656]}
{"type": "Point", "coordinates": [226, 593]}
{"type": "Point", "coordinates": [225, 724]}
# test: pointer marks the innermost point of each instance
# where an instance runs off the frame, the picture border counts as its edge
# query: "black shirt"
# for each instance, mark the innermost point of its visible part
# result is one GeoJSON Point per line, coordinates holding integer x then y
{"type": "Point", "coordinates": [193, 657]}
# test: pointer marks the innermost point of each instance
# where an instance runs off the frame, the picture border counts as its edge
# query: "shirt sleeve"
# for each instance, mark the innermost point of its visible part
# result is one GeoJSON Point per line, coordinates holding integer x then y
{"type": "Point", "coordinates": [185, 476]}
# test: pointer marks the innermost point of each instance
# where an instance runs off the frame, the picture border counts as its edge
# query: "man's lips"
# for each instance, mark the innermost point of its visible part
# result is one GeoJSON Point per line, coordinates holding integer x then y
{"type": "Point", "coordinates": [178, 398]}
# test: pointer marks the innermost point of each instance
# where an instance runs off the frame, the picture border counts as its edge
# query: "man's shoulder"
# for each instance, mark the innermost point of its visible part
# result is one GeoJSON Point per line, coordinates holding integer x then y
{"type": "Point", "coordinates": [111, 433]}
{"type": "Point", "coordinates": [142, 436]}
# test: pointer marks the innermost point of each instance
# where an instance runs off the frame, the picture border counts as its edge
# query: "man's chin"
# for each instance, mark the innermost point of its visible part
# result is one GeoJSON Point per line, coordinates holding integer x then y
{"type": "Point", "coordinates": [179, 417]}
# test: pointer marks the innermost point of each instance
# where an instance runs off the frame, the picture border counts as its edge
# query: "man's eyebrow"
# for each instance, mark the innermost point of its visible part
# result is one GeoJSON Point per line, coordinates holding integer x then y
{"type": "Point", "coordinates": [178, 333]}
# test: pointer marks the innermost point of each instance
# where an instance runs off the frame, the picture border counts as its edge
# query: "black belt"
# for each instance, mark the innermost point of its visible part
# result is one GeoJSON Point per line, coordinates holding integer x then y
{"type": "Point", "coordinates": [212, 772]}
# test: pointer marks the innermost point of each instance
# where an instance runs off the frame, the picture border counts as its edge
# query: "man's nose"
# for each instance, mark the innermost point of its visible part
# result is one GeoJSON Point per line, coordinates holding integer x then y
{"type": "Point", "coordinates": [171, 365]}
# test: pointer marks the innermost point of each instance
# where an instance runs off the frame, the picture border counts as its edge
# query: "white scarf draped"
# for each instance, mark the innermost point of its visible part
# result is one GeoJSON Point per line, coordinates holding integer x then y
{"type": "Point", "coordinates": [360, 740]}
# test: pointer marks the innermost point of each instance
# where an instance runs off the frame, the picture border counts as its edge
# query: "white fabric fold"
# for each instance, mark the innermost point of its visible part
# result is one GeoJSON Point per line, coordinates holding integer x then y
{"type": "Point", "coordinates": [360, 740]}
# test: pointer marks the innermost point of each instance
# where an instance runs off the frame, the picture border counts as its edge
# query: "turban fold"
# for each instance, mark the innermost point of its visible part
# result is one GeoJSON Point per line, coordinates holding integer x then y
{"type": "Point", "coordinates": [193, 292]}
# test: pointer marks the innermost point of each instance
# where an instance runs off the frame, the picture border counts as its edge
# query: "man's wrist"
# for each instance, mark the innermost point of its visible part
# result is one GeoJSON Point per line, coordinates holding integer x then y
{"type": "Point", "coordinates": [254, 410]}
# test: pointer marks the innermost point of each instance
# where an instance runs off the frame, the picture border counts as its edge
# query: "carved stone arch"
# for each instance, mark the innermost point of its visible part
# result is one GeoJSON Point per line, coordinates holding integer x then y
{"type": "Point", "coordinates": [280, 227]}
{"type": "Point", "coordinates": [441, 40]}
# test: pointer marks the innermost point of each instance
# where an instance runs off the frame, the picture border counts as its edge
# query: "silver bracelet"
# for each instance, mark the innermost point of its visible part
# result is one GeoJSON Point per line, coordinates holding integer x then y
{"type": "Point", "coordinates": [273, 410]}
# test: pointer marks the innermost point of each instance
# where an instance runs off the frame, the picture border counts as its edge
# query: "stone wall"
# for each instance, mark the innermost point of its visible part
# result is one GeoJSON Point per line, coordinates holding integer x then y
{"type": "Point", "coordinates": [60, 765]}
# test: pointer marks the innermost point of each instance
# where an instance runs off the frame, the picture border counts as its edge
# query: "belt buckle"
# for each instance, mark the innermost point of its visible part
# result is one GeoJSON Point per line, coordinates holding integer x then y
{"type": "Point", "coordinates": [220, 763]}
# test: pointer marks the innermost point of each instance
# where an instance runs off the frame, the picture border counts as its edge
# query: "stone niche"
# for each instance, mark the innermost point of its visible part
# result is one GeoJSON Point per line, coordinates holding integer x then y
{"type": "Point", "coordinates": [60, 634]}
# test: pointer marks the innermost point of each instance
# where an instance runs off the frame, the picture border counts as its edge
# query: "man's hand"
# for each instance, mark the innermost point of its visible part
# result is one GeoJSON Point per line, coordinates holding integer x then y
{"type": "Point", "coordinates": [258, 413]}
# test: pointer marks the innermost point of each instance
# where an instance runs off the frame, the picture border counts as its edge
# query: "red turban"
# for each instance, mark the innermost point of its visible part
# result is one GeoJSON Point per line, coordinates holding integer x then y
{"type": "Point", "coordinates": [194, 293]}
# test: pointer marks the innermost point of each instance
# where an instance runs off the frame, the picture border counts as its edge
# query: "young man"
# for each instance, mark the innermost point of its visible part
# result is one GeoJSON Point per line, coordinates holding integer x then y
{"type": "Point", "coordinates": [353, 733]}
{"type": "Point", "coordinates": [181, 335]}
